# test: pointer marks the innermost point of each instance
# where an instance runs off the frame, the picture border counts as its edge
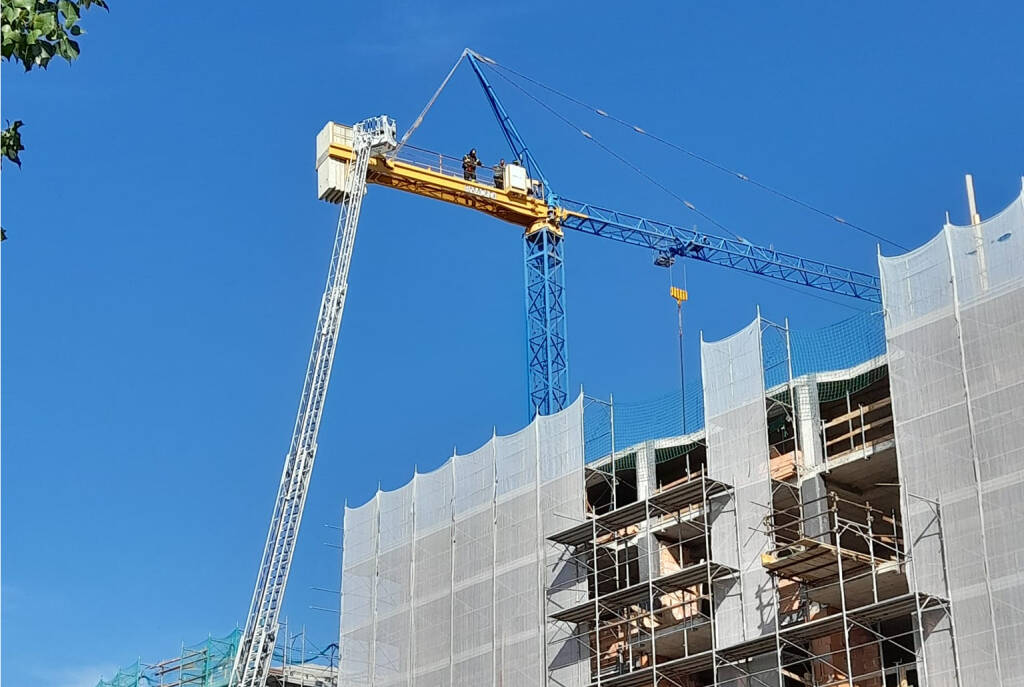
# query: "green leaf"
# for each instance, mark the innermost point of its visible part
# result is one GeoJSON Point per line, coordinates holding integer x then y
{"type": "Point", "coordinates": [45, 22]}
{"type": "Point", "coordinates": [44, 51]}
{"type": "Point", "coordinates": [35, 31]}
{"type": "Point", "coordinates": [10, 142]}
{"type": "Point", "coordinates": [67, 49]}
{"type": "Point", "coordinates": [70, 12]}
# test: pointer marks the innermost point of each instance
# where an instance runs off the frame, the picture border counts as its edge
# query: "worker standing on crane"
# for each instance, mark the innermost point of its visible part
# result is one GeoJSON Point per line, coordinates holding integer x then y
{"type": "Point", "coordinates": [499, 175]}
{"type": "Point", "coordinates": [469, 164]}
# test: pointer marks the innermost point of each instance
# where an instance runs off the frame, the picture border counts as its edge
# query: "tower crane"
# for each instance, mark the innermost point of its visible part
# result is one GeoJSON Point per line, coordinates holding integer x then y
{"type": "Point", "coordinates": [525, 198]}
{"type": "Point", "coordinates": [349, 158]}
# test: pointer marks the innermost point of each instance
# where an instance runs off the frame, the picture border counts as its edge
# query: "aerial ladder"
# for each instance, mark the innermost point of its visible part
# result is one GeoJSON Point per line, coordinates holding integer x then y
{"type": "Point", "coordinates": [373, 137]}
{"type": "Point", "coordinates": [350, 158]}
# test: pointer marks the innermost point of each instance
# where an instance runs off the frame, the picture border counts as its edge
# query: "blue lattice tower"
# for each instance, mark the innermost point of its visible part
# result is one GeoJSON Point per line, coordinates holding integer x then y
{"type": "Point", "coordinates": [547, 369]}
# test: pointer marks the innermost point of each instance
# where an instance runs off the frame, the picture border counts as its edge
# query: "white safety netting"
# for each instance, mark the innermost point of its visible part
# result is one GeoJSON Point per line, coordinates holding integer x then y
{"type": "Point", "coordinates": [358, 573]}
{"type": "Point", "coordinates": [444, 580]}
{"type": "Point", "coordinates": [517, 583]}
{"type": "Point", "coordinates": [737, 436]}
{"type": "Point", "coordinates": [432, 583]}
{"type": "Point", "coordinates": [955, 334]}
{"type": "Point", "coordinates": [561, 505]}
{"type": "Point", "coordinates": [473, 576]}
{"type": "Point", "coordinates": [393, 591]}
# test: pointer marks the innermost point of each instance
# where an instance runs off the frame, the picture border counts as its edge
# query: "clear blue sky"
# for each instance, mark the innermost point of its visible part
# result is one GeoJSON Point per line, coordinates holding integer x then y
{"type": "Point", "coordinates": [167, 253]}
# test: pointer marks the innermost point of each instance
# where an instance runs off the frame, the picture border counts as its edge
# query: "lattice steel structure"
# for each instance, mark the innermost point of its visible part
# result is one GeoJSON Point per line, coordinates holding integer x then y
{"type": "Point", "coordinates": [256, 646]}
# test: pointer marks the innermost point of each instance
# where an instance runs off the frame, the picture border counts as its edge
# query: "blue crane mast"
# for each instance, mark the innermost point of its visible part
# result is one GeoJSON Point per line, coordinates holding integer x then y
{"type": "Point", "coordinates": [544, 263]}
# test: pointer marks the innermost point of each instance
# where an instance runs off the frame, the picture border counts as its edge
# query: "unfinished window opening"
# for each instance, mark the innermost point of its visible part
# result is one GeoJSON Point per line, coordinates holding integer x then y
{"type": "Point", "coordinates": [677, 464]}
{"type": "Point", "coordinates": [857, 421]}
{"type": "Point", "coordinates": [610, 487]}
{"type": "Point", "coordinates": [782, 453]}
{"type": "Point", "coordinates": [617, 567]}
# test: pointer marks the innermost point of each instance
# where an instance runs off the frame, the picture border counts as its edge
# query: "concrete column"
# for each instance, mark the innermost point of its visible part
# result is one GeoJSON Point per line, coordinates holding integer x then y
{"type": "Point", "coordinates": [646, 485]}
{"type": "Point", "coordinates": [646, 480]}
{"type": "Point", "coordinates": [808, 425]}
{"type": "Point", "coordinates": [814, 507]}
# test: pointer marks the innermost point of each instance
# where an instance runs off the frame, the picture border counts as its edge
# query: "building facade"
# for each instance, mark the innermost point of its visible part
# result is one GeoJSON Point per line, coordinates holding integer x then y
{"type": "Point", "coordinates": [843, 525]}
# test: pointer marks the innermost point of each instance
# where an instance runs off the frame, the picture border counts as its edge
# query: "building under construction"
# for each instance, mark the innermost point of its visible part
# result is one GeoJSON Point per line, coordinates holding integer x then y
{"type": "Point", "coordinates": [833, 508]}
{"type": "Point", "coordinates": [830, 507]}
{"type": "Point", "coordinates": [838, 508]}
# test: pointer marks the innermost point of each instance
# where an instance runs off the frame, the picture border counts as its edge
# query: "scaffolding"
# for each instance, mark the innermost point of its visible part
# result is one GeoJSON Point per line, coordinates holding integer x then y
{"type": "Point", "coordinates": [845, 612]}
{"type": "Point", "coordinates": [855, 569]}
{"type": "Point", "coordinates": [297, 662]}
{"type": "Point", "coordinates": [639, 593]}
{"type": "Point", "coordinates": [762, 564]}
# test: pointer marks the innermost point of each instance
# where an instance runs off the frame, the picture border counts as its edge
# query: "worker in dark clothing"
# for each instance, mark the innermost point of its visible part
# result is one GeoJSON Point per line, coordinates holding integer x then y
{"type": "Point", "coordinates": [499, 175]}
{"type": "Point", "coordinates": [469, 164]}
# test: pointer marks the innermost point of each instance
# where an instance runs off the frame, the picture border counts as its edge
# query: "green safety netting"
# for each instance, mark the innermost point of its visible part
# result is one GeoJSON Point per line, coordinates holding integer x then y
{"type": "Point", "coordinates": [206, 664]}
{"type": "Point", "coordinates": [838, 346]}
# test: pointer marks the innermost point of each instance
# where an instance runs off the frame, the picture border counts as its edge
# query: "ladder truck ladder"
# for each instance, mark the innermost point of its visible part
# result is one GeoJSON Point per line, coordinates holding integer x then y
{"type": "Point", "coordinates": [256, 645]}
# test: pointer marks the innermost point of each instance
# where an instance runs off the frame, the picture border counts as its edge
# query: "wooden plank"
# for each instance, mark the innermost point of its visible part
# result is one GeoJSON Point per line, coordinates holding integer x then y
{"type": "Point", "coordinates": [856, 413]}
{"type": "Point", "coordinates": [858, 430]}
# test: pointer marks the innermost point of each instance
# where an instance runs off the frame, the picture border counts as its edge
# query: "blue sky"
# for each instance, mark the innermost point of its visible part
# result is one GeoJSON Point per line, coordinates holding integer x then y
{"type": "Point", "coordinates": [167, 252]}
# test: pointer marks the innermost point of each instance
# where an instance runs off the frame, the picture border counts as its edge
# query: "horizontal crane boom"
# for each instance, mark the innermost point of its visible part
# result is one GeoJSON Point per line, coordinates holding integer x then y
{"type": "Point", "coordinates": [738, 254]}
{"type": "Point", "coordinates": [440, 177]}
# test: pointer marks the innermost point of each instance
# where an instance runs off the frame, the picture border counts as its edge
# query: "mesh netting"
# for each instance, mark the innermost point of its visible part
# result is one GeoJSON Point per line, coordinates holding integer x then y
{"type": "Point", "coordinates": [737, 437]}
{"type": "Point", "coordinates": [639, 421]}
{"type": "Point", "coordinates": [955, 330]}
{"type": "Point", "coordinates": [207, 663]}
{"type": "Point", "coordinates": [461, 563]}
{"type": "Point", "coordinates": [128, 676]}
{"type": "Point", "coordinates": [432, 583]}
{"type": "Point", "coordinates": [830, 391]}
{"type": "Point", "coordinates": [358, 573]}
{"type": "Point", "coordinates": [774, 356]}
{"type": "Point", "coordinates": [836, 347]}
